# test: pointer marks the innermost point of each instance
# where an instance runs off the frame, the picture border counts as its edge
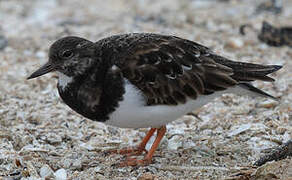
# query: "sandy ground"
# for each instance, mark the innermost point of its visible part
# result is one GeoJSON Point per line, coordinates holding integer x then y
{"type": "Point", "coordinates": [41, 137]}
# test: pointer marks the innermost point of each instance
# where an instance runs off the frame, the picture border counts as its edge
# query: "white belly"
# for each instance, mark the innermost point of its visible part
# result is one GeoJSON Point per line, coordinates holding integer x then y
{"type": "Point", "coordinates": [132, 112]}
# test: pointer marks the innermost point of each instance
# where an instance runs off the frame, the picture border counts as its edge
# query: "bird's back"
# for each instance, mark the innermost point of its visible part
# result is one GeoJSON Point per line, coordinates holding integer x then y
{"type": "Point", "coordinates": [169, 69]}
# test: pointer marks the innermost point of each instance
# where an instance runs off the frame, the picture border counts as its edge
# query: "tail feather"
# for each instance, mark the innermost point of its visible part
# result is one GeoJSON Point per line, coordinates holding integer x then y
{"type": "Point", "coordinates": [246, 72]}
{"type": "Point", "coordinates": [246, 76]}
{"type": "Point", "coordinates": [257, 91]}
{"type": "Point", "coordinates": [258, 73]}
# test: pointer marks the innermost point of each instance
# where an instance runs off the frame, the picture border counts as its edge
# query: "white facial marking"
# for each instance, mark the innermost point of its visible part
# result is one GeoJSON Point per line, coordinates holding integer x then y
{"type": "Point", "coordinates": [64, 80]}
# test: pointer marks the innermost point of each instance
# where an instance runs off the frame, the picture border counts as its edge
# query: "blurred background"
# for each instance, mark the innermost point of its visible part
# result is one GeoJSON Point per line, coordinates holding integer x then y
{"type": "Point", "coordinates": [42, 137]}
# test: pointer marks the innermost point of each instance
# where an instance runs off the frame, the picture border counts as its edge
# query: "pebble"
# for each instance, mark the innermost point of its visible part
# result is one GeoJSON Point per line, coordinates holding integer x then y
{"type": "Point", "coordinates": [239, 130]}
{"type": "Point", "coordinates": [267, 104]}
{"type": "Point", "coordinates": [46, 171]}
{"type": "Point", "coordinates": [87, 146]}
{"type": "Point", "coordinates": [54, 138]}
{"type": "Point", "coordinates": [234, 43]}
{"type": "Point", "coordinates": [286, 137]}
{"type": "Point", "coordinates": [175, 142]}
{"type": "Point", "coordinates": [281, 130]}
{"type": "Point", "coordinates": [257, 144]}
{"type": "Point", "coordinates": [41, 54]}
{"type": "Point", "coordinates": [147, 176]}
{"type": "Point", "coordinates": [61, 174]}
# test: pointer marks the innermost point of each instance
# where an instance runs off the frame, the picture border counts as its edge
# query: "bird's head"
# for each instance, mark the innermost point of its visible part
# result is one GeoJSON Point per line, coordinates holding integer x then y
{"type": "Point", "coordinates": [70, 55]}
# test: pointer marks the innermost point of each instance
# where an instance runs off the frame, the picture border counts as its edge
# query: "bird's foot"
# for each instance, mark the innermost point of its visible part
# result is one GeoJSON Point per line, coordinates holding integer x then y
{"type": "Point", "coordinates": [136, 151]}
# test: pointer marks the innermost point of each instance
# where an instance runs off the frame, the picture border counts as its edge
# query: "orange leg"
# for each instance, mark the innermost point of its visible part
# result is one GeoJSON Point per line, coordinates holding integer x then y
{"type": "Point", "coordinates": [148, 157]}
{"type": "Point", "coordinates": [134, 151]}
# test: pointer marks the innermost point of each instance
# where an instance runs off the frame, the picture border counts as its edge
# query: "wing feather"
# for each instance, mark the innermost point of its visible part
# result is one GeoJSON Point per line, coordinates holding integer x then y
{"type": "Point", "coordinates": [168, 70]}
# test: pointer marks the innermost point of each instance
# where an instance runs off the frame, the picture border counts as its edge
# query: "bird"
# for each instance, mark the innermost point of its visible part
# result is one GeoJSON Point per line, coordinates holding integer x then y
{"type": "Point", "coordinates": [145, 80]}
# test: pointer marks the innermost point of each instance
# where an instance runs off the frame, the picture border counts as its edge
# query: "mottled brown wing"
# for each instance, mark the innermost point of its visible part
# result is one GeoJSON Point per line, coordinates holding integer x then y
{"type": "Point", "coordinates": [168, 70]}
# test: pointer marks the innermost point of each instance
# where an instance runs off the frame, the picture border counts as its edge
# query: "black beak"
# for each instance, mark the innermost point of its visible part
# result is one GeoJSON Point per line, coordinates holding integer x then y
{"type": "Point", "coordinates": [46, 68]}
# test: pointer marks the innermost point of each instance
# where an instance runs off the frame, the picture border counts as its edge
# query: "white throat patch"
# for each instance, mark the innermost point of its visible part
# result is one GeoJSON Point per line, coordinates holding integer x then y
{"type": "Point", "coordinates": [64, 80]}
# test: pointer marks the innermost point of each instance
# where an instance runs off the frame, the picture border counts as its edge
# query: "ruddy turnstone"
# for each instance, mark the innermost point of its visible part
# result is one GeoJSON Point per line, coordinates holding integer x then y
{"type": "Point", "coordinates": [145, 80]}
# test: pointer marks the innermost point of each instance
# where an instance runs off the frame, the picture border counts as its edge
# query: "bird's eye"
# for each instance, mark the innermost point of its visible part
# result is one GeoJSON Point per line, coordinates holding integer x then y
{"type": "Point", "coordinates": [67, 54]}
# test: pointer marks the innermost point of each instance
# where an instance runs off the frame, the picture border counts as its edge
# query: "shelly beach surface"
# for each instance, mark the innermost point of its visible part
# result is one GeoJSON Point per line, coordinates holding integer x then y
{"type": "Point", "coordinates": [41, 138]}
